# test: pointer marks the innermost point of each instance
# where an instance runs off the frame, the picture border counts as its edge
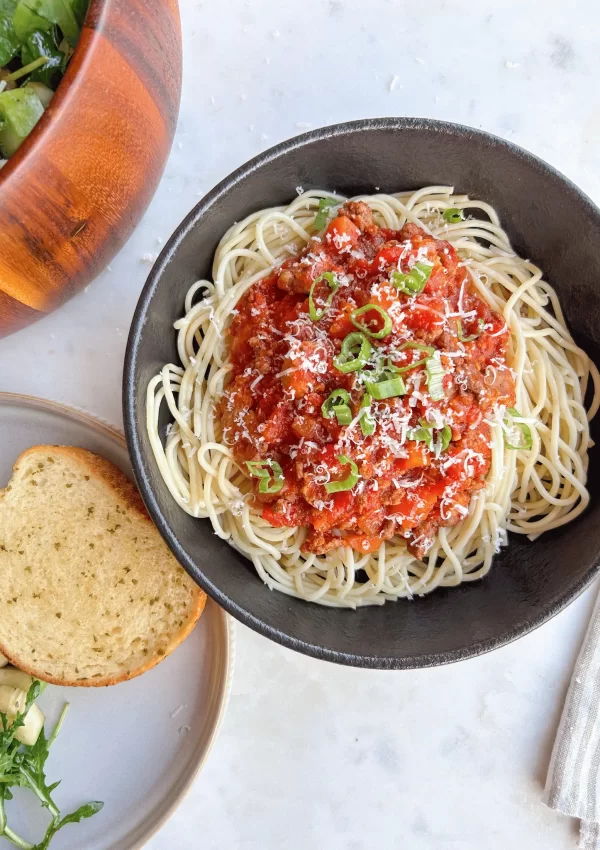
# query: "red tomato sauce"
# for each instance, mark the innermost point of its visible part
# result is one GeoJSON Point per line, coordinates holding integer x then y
{"type": "Point", "coordinates": [425, 456]}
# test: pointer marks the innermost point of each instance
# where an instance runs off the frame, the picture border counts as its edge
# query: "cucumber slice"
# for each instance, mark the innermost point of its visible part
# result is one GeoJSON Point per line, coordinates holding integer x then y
{"type": "Point", "coordinates": [15, 679]}
{"type": "Point", "coordinates": [20, 110]}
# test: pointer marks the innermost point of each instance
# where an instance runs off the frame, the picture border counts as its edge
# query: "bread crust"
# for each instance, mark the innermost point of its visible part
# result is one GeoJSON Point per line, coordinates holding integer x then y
{"type": "Point", "coordinates": [109, 680]}
{"type": "Point", "coordinates": [121, 488]}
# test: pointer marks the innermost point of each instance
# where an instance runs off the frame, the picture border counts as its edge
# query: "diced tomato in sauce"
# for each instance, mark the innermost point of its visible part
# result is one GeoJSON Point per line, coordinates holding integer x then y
{"type": "Point", "coordinates": [283, 371]}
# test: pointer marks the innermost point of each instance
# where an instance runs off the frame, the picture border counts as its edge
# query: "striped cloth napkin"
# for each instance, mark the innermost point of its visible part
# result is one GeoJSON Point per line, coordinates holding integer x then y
{"type": "Point", "coordinates": [573, 783]}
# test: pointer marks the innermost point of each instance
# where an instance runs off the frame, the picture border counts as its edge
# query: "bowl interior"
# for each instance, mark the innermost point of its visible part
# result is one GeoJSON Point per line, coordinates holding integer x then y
{"type": "Point", "coordinates": [549, 221]}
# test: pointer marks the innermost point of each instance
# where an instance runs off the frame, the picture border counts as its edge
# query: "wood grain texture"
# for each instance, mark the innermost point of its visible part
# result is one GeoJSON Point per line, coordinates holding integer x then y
{"type": "Point", "coordinates": [73, 193]}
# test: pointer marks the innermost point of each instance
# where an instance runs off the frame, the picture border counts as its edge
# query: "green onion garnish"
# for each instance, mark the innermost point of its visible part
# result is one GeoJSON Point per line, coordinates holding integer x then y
{"type": "Point", "coordinates": [356, 350]}
{"type": "Point", "coordinates": [446, 436]}
{"type": "Point", "coordinates": [453, 215]}
{"type": "Point", "coordinates": [332, 281]}
{"type": "Point", "coordinates": [325, 205]}
{"type": "Point", "coordinates": [429, 349]}
{"type": "Point", "coordinates": [386, 328]}
{"type": "Point", "coordinates": [417, 346]}
{"type": "Point", "coordinates": [422, 434]}
{"type": "Point", "coordinates": [425, 434]}
{"type": "Point", "coordinates": [435, 377]}
{"type": "Point", "coordinates": [387, 386]}
{"type": "Point", "coordinates": [367, 423]}
{"type": "Point", "coordinates": [480, 325]}
{"type": "Point", "coordinates": [349, 482]}
{"type": "Point", "coordinates": [413, 282]}
{"type": "Point", "coordinates": [523, 428]}
{"type": "Point", "coordinates": [262, 469]}
{"type": "Point", "coordinates": [338, 404]}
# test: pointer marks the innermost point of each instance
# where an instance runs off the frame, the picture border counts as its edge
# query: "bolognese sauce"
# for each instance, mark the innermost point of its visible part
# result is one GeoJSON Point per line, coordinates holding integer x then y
{"type": "Point", "coordinates": [363, 373]}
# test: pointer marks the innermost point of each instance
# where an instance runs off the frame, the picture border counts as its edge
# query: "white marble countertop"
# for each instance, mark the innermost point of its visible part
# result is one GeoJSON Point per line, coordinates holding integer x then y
{"type": "Point", "coordinates": [313, 756]}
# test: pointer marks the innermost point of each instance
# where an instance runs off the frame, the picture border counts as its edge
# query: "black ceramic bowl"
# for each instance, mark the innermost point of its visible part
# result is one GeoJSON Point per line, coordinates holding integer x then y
{"type": "Point", "coordinates": [548, 219]}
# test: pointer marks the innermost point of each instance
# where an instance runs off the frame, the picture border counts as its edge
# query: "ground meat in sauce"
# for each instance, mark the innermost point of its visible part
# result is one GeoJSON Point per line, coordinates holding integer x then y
{"type": "Point", "coordinates": [283, 370]}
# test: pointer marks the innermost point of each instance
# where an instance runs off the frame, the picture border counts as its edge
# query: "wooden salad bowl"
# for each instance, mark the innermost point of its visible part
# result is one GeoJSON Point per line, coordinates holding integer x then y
{"type": "Point", "coordinates": [77, 187]}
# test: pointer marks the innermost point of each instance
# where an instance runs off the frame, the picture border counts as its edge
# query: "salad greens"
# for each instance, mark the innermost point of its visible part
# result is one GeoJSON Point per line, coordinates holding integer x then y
{"type": "Point", "coordinates": [24, 766]}
{"type": "Point", "coordinates": [37, 39]}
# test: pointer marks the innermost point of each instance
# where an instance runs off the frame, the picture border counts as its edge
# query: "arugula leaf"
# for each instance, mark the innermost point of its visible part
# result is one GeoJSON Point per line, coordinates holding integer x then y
{"type": "Point", "coordinates": [85, 811]}
{"type": "Point", "coordinates": [32, 15]}
{"type": "Point", "coordinates": [4, 795]}
{"type": "Point", "coordinates": [32, 770]}
{"type": "Point", "coordinates": [25, 766]}
{"type": "Point", "coordinates": [9, 41]}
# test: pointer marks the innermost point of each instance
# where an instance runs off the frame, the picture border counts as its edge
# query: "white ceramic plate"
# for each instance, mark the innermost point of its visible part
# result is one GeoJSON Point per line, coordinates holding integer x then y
{"type": "Point", "coordinates": [136, 746]}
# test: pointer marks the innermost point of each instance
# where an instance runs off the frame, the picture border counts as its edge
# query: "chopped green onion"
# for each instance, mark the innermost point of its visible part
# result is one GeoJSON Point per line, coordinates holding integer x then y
{"type": "Point", "coordinates": [523, 428]}
{"type": "Point", "coordinates": [446, 436]}
{"type": "Point", "coordinates": [418, 346]}
{"type": "Point", "coordinates": [398, 279]}
{"type": "Point", "coordinates": [325, 205]}
{"type": "Point", "coordinates": [349, 482]}
{"type": "Point", "coordinates": [367, 423]}
{"type": "Point", "coordinates": [332, 281]}
{"type": "Point", "coordinates": [453, 215]}
{"type": "Point", "coordinates": [385, 330]}
{"type": "Point", "coordinates": [422, 434]}
{"type": "Point", "coordinates": [256, 468]}
{"type": "Point", "coordinates": [338, 405]}
{"type": "Point", "coordinates": [386, 387]}
{"type": "Point", "coordinates": [356, 350]}
{"type": "Point", "coordinates": [328, 404]}
{"type": "Point", "coordinates": [480, 325]}
{"type": "Point", "coordinates": [400, 369]}
{"type": "Point", "coordinates": [425, 434]}
{"type": "Point", "coordinates": [260, 469]}
{"type": "Point", "coordinates": [421, 272]}
{"type": "Point", "coordinates": [275, 485]}
{"type": "Point", "coordinates": [429, 349]}
{"type": "Point", "coordinates": [435, 377]}
{"type": "Point", "coordinates": [343, 414]}
{"type": "Point", "coordinates": [413, 282]}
